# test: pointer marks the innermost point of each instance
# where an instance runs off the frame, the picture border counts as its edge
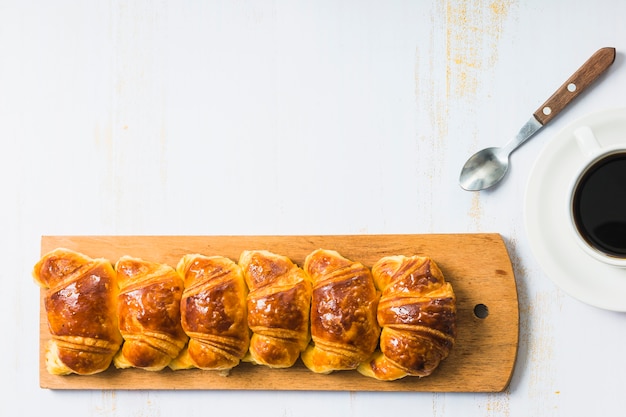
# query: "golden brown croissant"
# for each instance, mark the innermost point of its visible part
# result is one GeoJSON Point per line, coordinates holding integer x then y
{"type": "Point", "coordinates": [343, 313]}
{"type": "Point", "coordinates": [213, 310]}
{"type": "Point", "coordinates": [417, 312]}
{"type": "Point", "coordinates": [149, 314]}
{"type": "Point", "coordinates": [80, 301]}
{"type": "Point", "coordinates": [278, 308]}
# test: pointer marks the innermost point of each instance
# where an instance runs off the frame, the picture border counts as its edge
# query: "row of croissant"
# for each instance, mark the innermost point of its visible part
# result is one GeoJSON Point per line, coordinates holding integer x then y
{"type": "Point", "coordinates": [396, 319]}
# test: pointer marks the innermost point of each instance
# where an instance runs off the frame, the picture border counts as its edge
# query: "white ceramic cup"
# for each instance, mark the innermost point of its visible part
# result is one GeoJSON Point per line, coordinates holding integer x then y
{"type": "Point", "coordinates": [593, 153]}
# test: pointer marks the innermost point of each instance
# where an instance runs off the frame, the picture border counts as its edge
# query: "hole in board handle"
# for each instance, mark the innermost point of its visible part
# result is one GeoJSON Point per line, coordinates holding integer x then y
{"type": "Point", "coordinates": [481, 311]}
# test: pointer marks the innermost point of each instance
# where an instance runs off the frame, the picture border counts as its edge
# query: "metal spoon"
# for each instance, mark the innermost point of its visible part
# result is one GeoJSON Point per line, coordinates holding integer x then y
{"type": "Point", "coordinates": [487, 167]}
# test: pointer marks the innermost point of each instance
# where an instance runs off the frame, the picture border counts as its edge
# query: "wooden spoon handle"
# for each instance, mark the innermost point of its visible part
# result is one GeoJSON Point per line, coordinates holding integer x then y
{"type": "Point", "coordinates": [576, 84]}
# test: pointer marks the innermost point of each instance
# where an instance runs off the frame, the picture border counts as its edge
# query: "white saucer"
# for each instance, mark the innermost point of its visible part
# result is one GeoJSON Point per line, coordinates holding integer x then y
{"type": "Point", "coordinates": [548, 228]}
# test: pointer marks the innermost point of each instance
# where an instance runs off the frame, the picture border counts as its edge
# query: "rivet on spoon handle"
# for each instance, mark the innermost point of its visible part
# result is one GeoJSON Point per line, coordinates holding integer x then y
{"type": "Point", "coordinates": [576, 84]}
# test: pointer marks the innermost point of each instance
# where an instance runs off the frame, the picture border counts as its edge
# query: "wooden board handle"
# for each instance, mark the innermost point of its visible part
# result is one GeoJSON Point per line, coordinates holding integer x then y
{"type": "Point", "coordinates": [576, 84]}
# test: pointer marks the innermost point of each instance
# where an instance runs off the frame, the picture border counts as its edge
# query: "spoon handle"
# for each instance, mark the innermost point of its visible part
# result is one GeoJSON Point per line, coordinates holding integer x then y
{"type": "Point", "coordinates": [576, 84]}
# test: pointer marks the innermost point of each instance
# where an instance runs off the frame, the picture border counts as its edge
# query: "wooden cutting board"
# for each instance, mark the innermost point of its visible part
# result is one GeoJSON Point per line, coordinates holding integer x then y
{"type": "Point", "coordinates": [477, 265]}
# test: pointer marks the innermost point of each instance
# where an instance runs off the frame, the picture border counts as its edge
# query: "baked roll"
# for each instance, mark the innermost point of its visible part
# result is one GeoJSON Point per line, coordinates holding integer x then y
{"type": "Point", "coordinates": [213, 311]}
{"type": "Point", "coordinates": [149, 314]}
{"type": "Point", "coordinates": [417, 312]}
{"type": "Point", "coordinates": [278, 308]}
{"type": "Point", "coordinates": [344, 329]}
{"type": "Point", "coordinates": [80, 302]}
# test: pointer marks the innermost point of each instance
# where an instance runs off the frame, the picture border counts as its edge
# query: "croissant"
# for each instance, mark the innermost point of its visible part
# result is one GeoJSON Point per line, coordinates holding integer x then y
{"type": "Point", "coordinates": [213, 310]}
{"type": "Point", "coordinates": [149, 314]}
{"type": "Point", "coordinates": [80, 302]}
{"type": "Point", "coordinates": [344, 330]}
{"type": "Point", "coordinates": [278, 308]}
{"type": "Point", "coordinates": [417, 312]}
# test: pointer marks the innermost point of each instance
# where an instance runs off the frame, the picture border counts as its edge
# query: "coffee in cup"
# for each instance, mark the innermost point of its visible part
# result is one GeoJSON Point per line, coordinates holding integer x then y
{"type": "Point", "coordinates": [598, 200]}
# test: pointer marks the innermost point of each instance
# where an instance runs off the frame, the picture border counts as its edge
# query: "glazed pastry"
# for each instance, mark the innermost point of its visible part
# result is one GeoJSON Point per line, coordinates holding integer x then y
{"type": "Point", "coordinates": [417, 312]}
{"type": "Point", "coordinates": [149, 314]}
{"type": "Point", "coordinates": [80, 302]}
{"type": "Point", "coordinates": [213, 311]}
{"type": "Point", "coordinates": [278, 308]}
{"type": "Point", "coordinates": [343, 313]}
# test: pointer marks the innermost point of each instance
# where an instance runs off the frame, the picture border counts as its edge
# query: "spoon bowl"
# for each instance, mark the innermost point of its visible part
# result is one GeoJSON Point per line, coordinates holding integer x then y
{"type": "Point", "coordinates": [484, 169]}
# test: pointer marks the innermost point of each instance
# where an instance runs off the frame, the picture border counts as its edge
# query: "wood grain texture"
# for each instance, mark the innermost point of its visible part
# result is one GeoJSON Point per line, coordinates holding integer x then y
{"type": "Point", "coordinates": [477, 265]}
{"type": "Point", "coordinates": [580, 80]}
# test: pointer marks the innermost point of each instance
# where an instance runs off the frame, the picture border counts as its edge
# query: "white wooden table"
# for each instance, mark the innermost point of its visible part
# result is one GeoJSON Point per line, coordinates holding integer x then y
{"type": "Point", "coordinates": [295, 117]}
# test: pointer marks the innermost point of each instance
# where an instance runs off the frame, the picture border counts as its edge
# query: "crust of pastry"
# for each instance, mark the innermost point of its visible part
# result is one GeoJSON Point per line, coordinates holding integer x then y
{"type": "Point", "coordinates": [278, 308]}
{"type": "Point", "coordinates": [149, 314]}
{"type": "Point", "coordinates": [417, 313]}
{"type": "Point", "coordinates": [80, 302]}
{"type": "Point", "coordinates": [344, 329]}
{"type": "Point", "coordinates": [213, 312]}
